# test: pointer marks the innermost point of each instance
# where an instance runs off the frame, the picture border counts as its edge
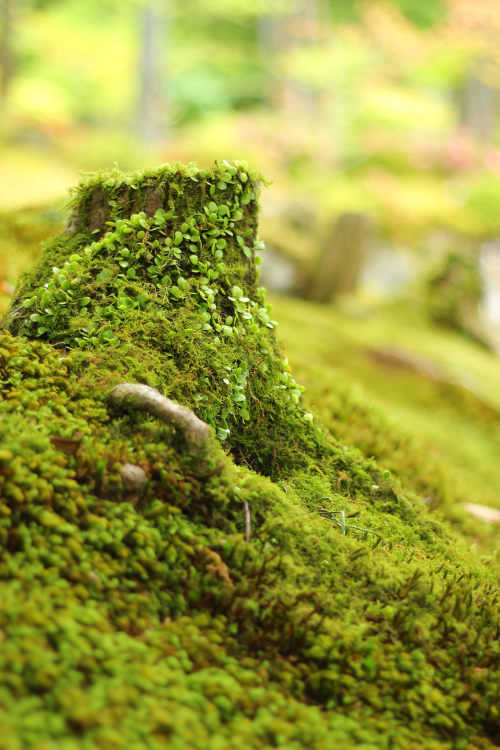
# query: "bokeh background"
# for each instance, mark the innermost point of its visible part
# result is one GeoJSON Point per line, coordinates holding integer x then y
{"type": "Point", "coordinates": [385, 108]}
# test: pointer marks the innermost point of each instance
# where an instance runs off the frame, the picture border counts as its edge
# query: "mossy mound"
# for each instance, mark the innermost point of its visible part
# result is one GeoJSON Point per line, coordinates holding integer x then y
{"type": "Point", "coordinates": [353, 616]}
{"type": "Point", "coordinates": [156, 272]}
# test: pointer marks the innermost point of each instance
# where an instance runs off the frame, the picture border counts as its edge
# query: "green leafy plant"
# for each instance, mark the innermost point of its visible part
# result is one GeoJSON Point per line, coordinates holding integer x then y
{"type": "Point", "coordinates": [339, 519]}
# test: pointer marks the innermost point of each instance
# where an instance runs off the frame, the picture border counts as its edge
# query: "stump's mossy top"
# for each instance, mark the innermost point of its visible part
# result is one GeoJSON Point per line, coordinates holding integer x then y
{"type": "Point", "coordinates": [353, 617]}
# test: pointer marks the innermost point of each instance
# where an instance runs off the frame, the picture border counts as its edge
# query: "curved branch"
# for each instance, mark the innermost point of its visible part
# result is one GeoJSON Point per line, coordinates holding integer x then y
{"type": "Point", "coordinates": [195, 432]}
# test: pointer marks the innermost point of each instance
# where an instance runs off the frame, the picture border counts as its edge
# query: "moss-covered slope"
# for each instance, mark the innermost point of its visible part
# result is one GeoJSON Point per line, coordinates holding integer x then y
{"type": "Point", "coordinates": [353, 617]}
{"type": "Point", "coordinates": [423, 401]}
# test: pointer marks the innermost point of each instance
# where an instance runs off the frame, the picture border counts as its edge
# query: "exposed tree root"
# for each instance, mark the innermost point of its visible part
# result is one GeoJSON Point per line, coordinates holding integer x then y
{"type": "Point", "coordinates": [195, 432]}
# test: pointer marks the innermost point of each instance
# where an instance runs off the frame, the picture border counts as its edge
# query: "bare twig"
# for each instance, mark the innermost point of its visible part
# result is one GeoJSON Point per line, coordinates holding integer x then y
{"type": "Point", "coordinates": [248, 521]}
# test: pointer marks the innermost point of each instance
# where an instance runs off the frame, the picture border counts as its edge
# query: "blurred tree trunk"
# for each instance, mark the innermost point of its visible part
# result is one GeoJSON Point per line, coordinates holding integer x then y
{"type": "Point", "coordinates": [6, 60]}
{"type": "Point", "coordinates": [338, 268]}
{"type": "Point", "coordinates": [279, 34]}
{"type": "Point", "coordinates": [477, 103]}
{"type": "Point", "coordinates": [152, 116]}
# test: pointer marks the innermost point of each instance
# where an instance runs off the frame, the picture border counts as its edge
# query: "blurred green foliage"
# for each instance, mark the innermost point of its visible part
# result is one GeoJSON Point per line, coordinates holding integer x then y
{"type": "Point", "coordinates": [384, 106]}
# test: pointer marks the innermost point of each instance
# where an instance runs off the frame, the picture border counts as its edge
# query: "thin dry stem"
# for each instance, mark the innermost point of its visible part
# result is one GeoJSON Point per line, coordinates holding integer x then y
{"type": "Point", "coordinates": [248, 522]}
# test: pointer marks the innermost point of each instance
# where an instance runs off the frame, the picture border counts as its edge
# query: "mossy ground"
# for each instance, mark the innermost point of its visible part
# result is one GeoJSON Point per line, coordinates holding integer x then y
{"type": "Point", "coordinates": [153, 623]}
{"type": "Point", "coordinates": [439, 435]}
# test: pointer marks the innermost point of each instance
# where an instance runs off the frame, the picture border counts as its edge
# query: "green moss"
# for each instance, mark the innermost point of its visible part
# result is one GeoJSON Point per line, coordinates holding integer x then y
{"type": "Point", "coordinates": [355, 616]}
{"type": "Point", "coordinates": [439, 435]}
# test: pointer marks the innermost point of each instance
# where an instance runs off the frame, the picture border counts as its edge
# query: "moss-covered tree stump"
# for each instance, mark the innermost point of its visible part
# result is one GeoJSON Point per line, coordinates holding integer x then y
{"type": "Point", "coordinates": [154, 593]}
{"type": "Point", "coordinates": [157, 272]}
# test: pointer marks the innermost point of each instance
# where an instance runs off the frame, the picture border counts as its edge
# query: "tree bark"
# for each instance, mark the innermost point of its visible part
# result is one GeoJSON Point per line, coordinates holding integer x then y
{"type": "Point", "coordinates": [338, 268]}
{"type": "Point", "coordinates": [477, 108]}
{"type": "Point", "coordinates": [6, 59]}
{"type": "Point", "coordinates": [152, 107]}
